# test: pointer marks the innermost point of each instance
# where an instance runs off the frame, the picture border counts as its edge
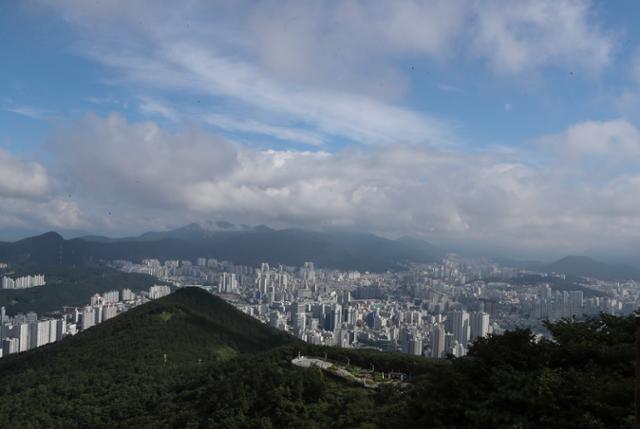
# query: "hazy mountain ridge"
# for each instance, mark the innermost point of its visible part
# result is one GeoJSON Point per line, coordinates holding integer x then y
{"type": "Point", "coordinates": [239, 244]}
{"type": "Point", "coordinates": [251, 245]}
{"type": "Point", "coordinates": [585, 266]}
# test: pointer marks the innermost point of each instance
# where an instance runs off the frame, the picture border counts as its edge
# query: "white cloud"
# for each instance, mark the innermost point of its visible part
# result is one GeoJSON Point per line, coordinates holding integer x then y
{"type": "Point", "coordinates": [31, 112]}
{"type": "Point", "coordinates": [22, 179]}
{"type": "Point", "coordinates": [152, 107]}
{"type": "Point", "coordinates": [337, 68]}
{"type": "Point", "coordinates": [615, 140]}
{"type": "Point", "coordinates": [531, 34]}
{"type": "Point", "coordinates": [322, 71]}
{"type": "Point", "coordinates": [323, 41]}
{"type": "Point", "coordinates": [146, 176]}
{"type": "Point", "coordinates": [28, 196]}
{"type": "Point", "coordinates": [138, 163]}
{"type": "Point", "coordinates": [360, 118]}
{"type": "Point", "coordinates": [255, 127]}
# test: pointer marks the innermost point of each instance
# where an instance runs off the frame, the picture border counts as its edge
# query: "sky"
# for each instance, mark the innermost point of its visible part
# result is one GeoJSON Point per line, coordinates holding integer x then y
{"type": "Point", "coordinates": [510, 126]}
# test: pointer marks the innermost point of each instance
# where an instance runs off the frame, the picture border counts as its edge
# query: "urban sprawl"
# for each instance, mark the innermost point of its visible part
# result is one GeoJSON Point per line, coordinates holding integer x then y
{"type": "Point", "coordinates": [433, 310]}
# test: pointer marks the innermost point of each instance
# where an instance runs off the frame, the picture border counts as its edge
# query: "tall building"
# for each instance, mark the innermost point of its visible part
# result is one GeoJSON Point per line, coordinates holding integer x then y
{"type": "Point", "coordinates": [22, 333]}
{"type": "Point", "coordinates": [459, 322]}
{"type": "Point", "coordinates": [33, 335]}
{"type": "Point", "coordinates": [438, 341]}
{"type": "Point", "coordinates": [88, 317]}
{"type": "Point", "coordinates": [111, 296]}
{"type": "Point", "coordinates": [308, 273]}
{"type": "Point", "coordinates": [479, 325]}
{"type": "Point", "coordinates": [61, 328]}
{"type": "Point", "coordinates": [263, 278]}
{"type": "Point", "coordinates": [158, 291]}
{"type": "Point", "coordinates": [10, 345]}
{"type": "Point", "coordinates": [53, 330]}
{"type": "Point", "coordinates": [43, 333]}
{"type": "Point", "coordinates": [415, 345]}
{"type": "Point", "coordinates": [334, 321]}
{"type": "Point", "coordinates": [8, 283]}
{"type": "Point", "coordinates": [228, 283]}
{"type": "Point", "coordinates": [97, 314]}
{"type": "Point", "coordinates": [128, 295]}
{"type": "Point", "coordinates": [109, 311]}
{"type": "Point", "coordinates": [576, 299]}
{"type": "Point", "coordinates": [96, 299]}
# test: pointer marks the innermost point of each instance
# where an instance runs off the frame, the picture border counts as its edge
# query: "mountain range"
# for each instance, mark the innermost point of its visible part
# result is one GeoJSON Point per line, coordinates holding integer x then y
{"type": "Point", "coordinates": [241, 245]}
{"type": "Point", "coordinates": [585, 266]}
{"type": "Point", "coordinates": [251, 245]}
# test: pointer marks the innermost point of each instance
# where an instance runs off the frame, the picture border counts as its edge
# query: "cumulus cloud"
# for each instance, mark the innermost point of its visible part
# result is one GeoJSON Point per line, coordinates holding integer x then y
{"type": "Point", "coordinates": [531, 34]}
{"type": "Point", "coordinates": [138, 163]}
{"type": "Point", "coordinates": [161, 178]}
{"type": "Point", "coordinates": [28, 196]}
{"type": "Point", "coordinates": [615, 140]}
{"type": "Point", "coordinates": [22, 179]}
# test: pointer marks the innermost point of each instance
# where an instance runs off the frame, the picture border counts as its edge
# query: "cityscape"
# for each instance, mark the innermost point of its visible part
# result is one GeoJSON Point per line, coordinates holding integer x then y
{"type": "Point", "coordinates": [354, 214]}
{"type": "Point", "coordinates": [431, 310]}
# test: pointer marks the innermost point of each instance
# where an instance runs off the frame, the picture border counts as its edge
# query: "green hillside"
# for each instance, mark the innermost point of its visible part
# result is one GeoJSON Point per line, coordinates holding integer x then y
{"type": "Point", "coordinates": [224, 369]}
{"type": "Point", "coordinates": [71, 286]}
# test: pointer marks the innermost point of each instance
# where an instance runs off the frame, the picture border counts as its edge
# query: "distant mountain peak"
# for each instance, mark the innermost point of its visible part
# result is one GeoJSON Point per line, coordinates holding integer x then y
{"type": "Point", "coordinates": [50, 236]}
{"type": "Point", "coordinates": [586, 266]}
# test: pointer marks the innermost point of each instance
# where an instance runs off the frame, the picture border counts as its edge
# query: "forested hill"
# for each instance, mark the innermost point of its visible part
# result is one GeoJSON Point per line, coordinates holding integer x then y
{"type": "Point", "coordinates": [188, 326]}
{"type": "Point", "coordinates": [224, 369]}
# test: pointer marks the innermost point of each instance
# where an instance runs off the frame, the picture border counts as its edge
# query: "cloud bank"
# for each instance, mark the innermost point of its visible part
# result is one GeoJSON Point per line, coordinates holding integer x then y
{"type": "Point", "coordinates": [132, 175]}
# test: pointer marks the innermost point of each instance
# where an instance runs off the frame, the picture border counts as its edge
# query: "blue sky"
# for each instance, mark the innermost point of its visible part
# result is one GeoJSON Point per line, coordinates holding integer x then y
{"type": "Point", "coordinates": [459, 122]}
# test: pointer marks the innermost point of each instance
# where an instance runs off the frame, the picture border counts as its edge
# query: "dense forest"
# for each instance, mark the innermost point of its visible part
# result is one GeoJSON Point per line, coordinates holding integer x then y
{"type": "Point", "coordinates": [72, 286]}
{"type": "Point", "coordinates": [191, 360]}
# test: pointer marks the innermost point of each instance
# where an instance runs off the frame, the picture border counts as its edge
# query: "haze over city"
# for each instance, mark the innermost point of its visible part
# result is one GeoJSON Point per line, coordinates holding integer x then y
{"type": "Point", "coordinates": [506, 130]}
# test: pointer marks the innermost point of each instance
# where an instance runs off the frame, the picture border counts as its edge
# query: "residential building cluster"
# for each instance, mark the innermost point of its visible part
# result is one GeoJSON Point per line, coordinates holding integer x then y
{"type": "Point", "coordinates": [23, 282]}
{"type": "Point", "coordinates": [22, 332]}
